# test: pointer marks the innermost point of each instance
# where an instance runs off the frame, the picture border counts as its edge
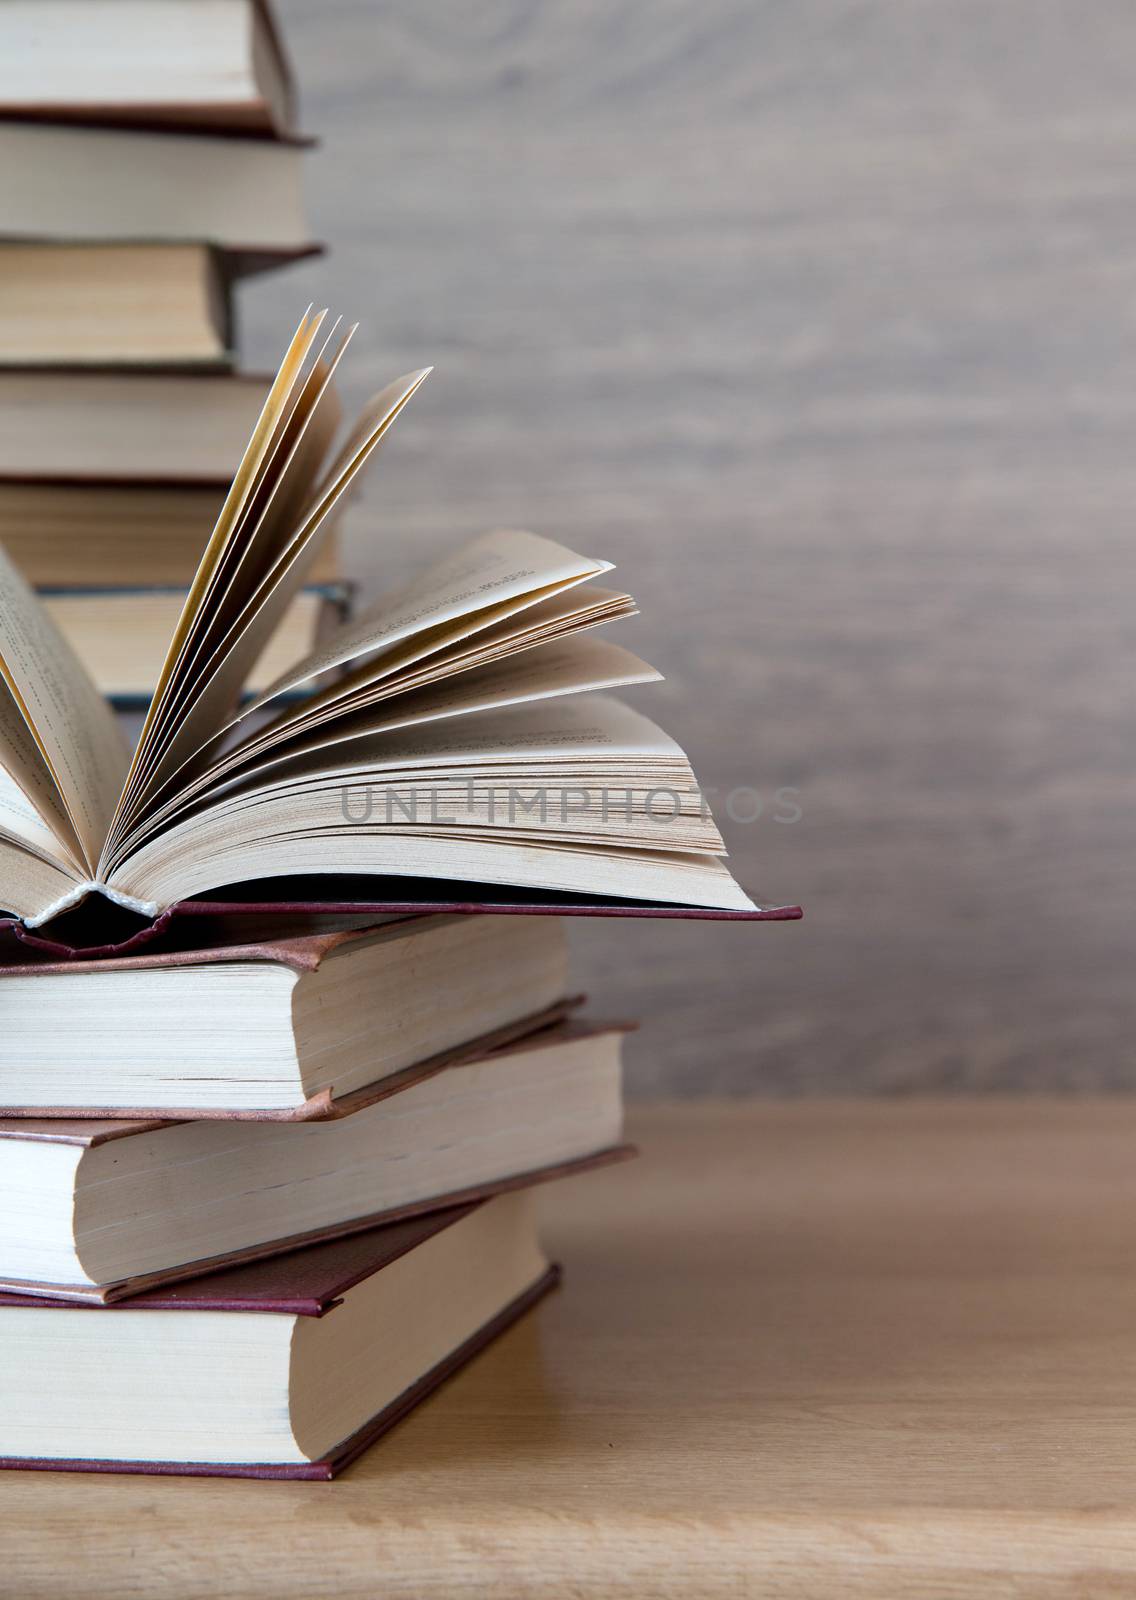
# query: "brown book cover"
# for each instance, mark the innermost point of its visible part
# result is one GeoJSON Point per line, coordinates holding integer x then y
{"type": "Point", "coordinates": [307, 1283]}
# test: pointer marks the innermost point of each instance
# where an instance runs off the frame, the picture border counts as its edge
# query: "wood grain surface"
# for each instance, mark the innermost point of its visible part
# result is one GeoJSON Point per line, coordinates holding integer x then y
{"type": "Point", "coordinates": [855, 1349]}
{"type": "Point", "coordinates": [818, 319]}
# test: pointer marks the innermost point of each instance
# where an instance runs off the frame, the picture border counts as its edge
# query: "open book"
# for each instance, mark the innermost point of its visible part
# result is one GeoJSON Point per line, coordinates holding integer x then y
{"type": "Point", "coordinates": [444, 737]}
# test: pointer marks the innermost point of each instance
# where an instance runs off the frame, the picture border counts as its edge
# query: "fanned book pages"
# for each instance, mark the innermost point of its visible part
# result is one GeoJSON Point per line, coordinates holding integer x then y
{"type": "Point", "coordinates": [447, 734]}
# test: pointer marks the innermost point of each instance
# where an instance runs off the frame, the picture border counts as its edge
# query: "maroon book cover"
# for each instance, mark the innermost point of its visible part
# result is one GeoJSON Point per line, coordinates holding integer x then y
{"type": "Point", "coordinates": [307, 1283]}
{"type": "Point", "coordinates": [298, 940]}
{"type": "Point", "coordinates": [103, 932]}
{"type": "Point", "coordinates": [304, 1283]}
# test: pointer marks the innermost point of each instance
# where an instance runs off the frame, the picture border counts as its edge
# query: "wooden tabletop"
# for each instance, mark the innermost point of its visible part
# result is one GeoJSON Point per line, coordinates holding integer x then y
{"type": "Point", "coordinates": [862, 1349]}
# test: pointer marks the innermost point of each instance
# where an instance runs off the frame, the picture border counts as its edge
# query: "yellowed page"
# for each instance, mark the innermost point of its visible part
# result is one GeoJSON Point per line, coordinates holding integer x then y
{"type": "Point", "coordinates": [247, 476]}
{"type": "Point", "coordinates": [72, 725]}
{"type": "Point", "coordinates": [569, 666]}
{"type": "Point", "coordinates": [249, 632]}
{"type": "Point", "coordinates": [592, 730]}
{"type": "Point", "coordinates": [561, 615]}
{"type": "Point", "coordinates": [267, 526]}
{"type": "Point", "coordinates": [21, 823]}
{"type": "Point", "coordinates": [440, 652]}
{"type": "Point", "coordinates": [276, 408]}
{"type": "Point", "coordinates": [40, 821]}
{"type": "Point", "coordinates": [29, 885]}
{"type": "Point", "coordinates": [529, 621]}
{"type": "Point", "coordinates": [492, 635]}
{"type": "Point", "coordinates": [488, 571]}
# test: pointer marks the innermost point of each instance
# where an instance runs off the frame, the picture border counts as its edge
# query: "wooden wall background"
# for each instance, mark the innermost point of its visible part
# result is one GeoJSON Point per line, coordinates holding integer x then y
{"type": "Point", "coordinates": [818, 317]}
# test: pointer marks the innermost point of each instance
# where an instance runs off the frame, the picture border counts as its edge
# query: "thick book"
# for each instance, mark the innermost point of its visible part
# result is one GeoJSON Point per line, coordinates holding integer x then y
{"type": "Point", "coordinates": [465, 736]}
{"type": "Point", "coordinates": [287, 1368]}
{"type": "Point", "coordinates": [243, 195]}
{"type": "Point", "coordinates": [130, 305]}
{"type": "Point", "coordinates": [161, 63]}
{"type": "Point", "coordinates": [111, 536]}
{"type": "Point", "coordinates": [121, 635]}
{"type": "Point", "coordinates": [102, 1210]}
{"type": "Point", "coordinates": [280, 1027]}
{"type": "Point", "coordinates": [93, 429]}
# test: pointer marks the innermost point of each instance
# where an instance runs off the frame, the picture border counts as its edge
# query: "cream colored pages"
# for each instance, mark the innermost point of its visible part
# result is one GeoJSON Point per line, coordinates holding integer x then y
{"type": "Point", "coordinates": [596, 731]}
{"type": "Point", "coordinates": [71, 723]}
{"type": "Point", "coordinates": [31, 884]}
{"type": "Point", "coordinates": [440, 652]}
{"type": "Point", "coordinates": [419, 661]}
{"type": "Point", "coordinates": [251, 629]}
{"type": "Point", "coordinates": [22, 824]}
{"type": "Point", "coordinates": [593, 738]}
{"type": "Point", "coordinates": [486, 572]}
{"type": "Point", "coordinates": [516, 625]}
{"type": "Point", "coordinates": [277, 407]}
{"type": "Point", "coordinates": [235, 620]}
{"type": "Point", "coordinates": [570, 666]}
{"type": "Point", "coordinates": [30, 808]}
{"type": "Point", "coordinates": [342, 709]}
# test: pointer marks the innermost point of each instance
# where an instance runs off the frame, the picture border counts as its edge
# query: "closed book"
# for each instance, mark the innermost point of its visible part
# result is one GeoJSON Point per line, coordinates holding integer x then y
{"type": "Point", "coordinates": [244, 195]}
{"type": "Point", "coordinates": [217, 64]}
{"type": "Point", "coordinates": [286, 1368]}
{"type": "Point", "coordinates": [102, 1210]}
{"type": "Point", "coordinates": [134, 305]}
{"type": "Point", "coordinates": [88, 428]}
{"type": "Point", "coordinates": [282, 1027]}
{"type": "Point", "coordinates": [65, 535]}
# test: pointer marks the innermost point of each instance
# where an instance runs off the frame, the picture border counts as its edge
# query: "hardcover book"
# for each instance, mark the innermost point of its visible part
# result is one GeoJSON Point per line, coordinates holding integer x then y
{"type": "Point", "coordinates": [91, 184]}
{"type": "Point", "coordinates": [464, 738]}
{"type": "Point", "coordinates": [163, 63]}
{"type": "Point", "coordinates": [131, 305]}
{"type": "Point", "coordinates": [92, 428]}
{"type": "Point", "coordinates": [286, 1368]}
{"type": "Point", "coordinates": [283, 1027]}
{"type": "Point", "coordinates": [120, 536]}
{"type": "Point", "coordinates": [103, 1210]}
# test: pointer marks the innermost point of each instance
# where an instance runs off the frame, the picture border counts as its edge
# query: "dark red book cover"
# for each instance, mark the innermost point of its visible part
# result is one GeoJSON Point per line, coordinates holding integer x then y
{"type": "Point", "coordinates": [103, 931]}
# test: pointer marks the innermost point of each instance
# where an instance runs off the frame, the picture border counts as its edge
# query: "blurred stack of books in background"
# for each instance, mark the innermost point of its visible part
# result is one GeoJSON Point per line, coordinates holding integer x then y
{"type": "Point", "coordinates": [149, 160]}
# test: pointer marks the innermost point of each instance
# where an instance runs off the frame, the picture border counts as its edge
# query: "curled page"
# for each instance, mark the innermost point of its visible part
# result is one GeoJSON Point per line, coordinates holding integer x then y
{"type": "Point", "coordinates": [486, 572]}
{"type": "Point", "coordinates": [73, 727]}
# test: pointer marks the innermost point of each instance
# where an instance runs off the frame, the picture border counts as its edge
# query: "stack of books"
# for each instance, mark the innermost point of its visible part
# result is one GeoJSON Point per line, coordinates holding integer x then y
{"type": "Point", "coordinates": [282, 1053]}
{"type": "Point", "coordinates": [312, 1153]}
{"type": "Point", "coordinates": [148, 161]}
